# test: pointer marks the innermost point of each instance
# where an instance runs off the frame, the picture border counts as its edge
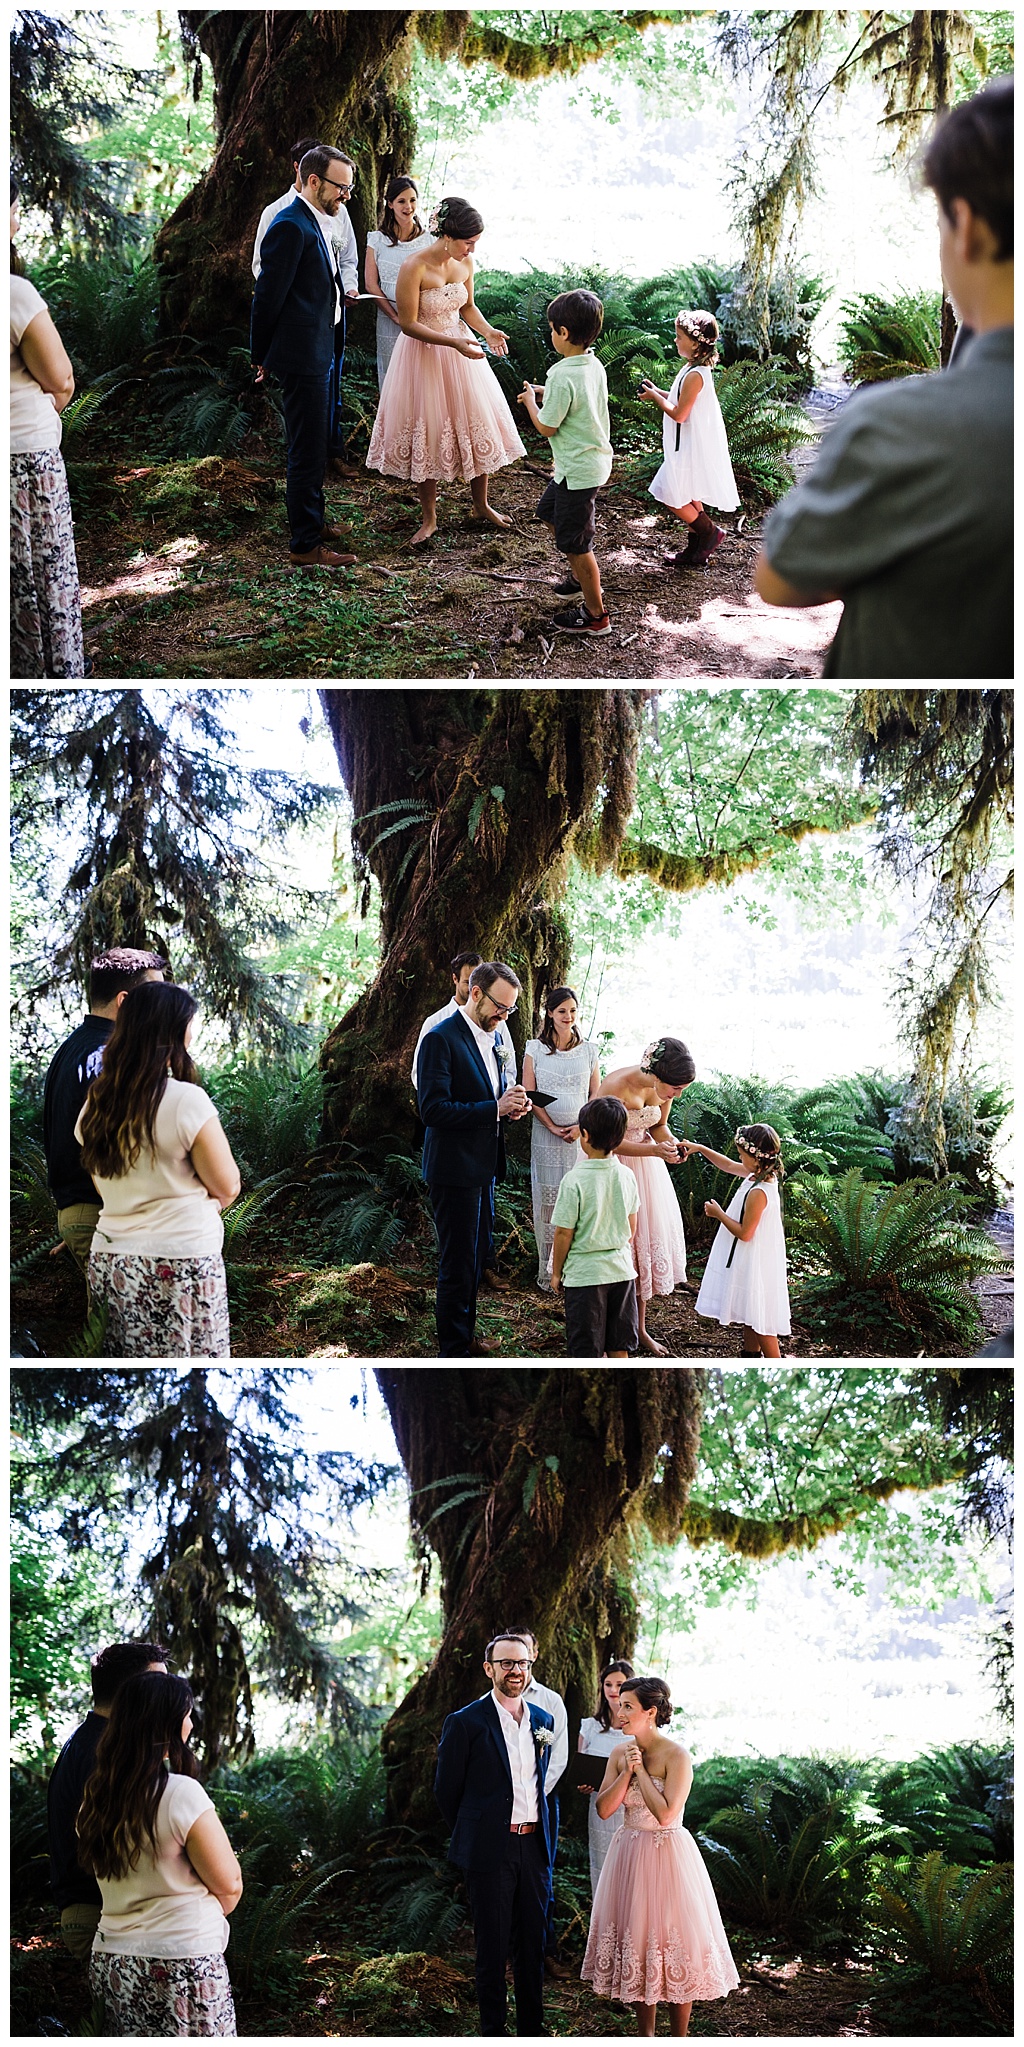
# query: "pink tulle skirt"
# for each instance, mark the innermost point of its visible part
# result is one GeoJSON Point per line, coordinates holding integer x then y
{"type": "Point", "coordinates": [659, 1247]}
{"type": "Point", "coordinates": [656, 1934]}
{"type": "Point", "coordinates": [441, 416]}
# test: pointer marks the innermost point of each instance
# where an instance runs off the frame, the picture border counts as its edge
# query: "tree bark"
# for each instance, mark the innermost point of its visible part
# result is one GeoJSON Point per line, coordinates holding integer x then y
{"type": "Point", "coordinates": [527, 1487]}
{"type": "Point", "coordinates": [337, 73]}
{"type": "Point", "coordinates": [467, 804]}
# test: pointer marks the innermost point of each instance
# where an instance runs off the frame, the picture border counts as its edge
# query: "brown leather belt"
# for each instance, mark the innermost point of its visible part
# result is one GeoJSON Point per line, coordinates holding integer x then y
{"type": "Point", "coordinates": [525, 1827]}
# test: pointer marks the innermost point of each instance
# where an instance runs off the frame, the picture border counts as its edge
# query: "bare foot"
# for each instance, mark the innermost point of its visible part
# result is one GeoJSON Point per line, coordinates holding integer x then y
{"type": "Point", "coordinates": [647, 1343]}
{"type": "Point", "coordinates": [425, 533]}
{"type": "Point", "coordinates": [492, 518]}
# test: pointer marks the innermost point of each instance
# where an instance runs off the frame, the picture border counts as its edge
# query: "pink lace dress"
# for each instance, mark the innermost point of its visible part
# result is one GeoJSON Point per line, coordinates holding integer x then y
{"type": "Point", "coordinates": [656, 1934]}
{"type": "Point", "coordinates": [659, 1247]}
{"type": "Point", "coordinates": [441, 415]}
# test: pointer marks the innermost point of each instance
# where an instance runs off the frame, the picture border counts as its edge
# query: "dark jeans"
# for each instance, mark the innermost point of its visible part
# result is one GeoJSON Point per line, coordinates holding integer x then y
{"type": "Point", "coordinates": [509, 1903]}
{"type": "Point", "coordinates": [336, 431]}
{"type": "Point", "coordinates": [304, 401]}
{"type": "Point", "coordinates": [461, 1221]}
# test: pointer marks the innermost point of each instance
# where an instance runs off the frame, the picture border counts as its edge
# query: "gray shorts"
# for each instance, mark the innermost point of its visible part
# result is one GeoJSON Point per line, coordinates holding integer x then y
{"type": "Point", "coordinates": [600, 1319]}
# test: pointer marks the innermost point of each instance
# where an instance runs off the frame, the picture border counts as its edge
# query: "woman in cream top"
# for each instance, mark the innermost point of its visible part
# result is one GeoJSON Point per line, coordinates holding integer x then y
{"type": "Point", "coordinates": [46, 603]}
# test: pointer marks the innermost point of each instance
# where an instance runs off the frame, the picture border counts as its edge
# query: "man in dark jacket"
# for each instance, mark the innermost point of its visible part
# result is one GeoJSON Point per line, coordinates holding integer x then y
{"type": "Point", "coordinates": [75, 1891]}
{"type": "Point", "coordinates": [70, 1072]}
{"type": "Point", "coordinates": [463, 1101]}
{"type": "Point", "coordinates": [296, 305]}
{"type": "Point", "coordinates": [491, 1767]}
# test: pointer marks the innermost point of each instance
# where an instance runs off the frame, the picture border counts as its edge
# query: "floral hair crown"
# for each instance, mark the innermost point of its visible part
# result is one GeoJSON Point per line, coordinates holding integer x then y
{"type": "Point", "coordinates": [652, 1054]}
{"type": "Point", "coordinates": [756, 1151]}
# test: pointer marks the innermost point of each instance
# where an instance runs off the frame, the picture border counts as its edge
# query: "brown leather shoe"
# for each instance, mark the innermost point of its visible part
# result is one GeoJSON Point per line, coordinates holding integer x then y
{"type": "Point", "coordinates": [480, 1350]}
{"type": "Point", "coordinates": [494, 1280]}
{"type": "Point", "coordinates": [329, 534]}
{"type": "Point", "coordinates": [344, 470]}
{"type": "Point", "coordinates": [322, 558]}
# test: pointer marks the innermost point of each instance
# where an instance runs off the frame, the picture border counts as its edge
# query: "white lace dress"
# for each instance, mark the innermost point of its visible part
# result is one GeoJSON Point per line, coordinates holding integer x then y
{"type": "Point", "coordinates": [566, 1075]}
{"type": "Point", "coordinates": [600, 1741]}
{"type": "Point", "coordinates": [656, 1933]}
{"type": "Point", "coordinates": [389, 257]}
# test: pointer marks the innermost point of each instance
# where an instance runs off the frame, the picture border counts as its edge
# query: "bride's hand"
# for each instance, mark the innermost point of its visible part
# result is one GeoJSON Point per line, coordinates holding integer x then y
{"type": "Point", "coordinates": [634, 1756]}
{"type": "Point", "coordinates": [467, 347]}
{"type": "Point", "coordinates": [497, 340]}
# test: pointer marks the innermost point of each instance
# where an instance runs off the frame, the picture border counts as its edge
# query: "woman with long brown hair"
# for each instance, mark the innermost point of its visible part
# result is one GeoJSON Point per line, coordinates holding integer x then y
{"type": "Point", "coordinates": [153, 1143]}
{"type": "Point", "coordinates": [600, 1733]}
{"type": "Point", "coordinates": [562, 1063]}
{"type": "Point", "coordinates": [166, 1870]}
{"type": "Point", "coordinates": [401, 234]}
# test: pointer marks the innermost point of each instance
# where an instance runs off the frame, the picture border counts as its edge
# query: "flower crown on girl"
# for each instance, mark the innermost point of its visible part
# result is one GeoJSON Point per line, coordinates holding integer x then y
{"type": "Point", "coordinates": [763, 1144]}
{"type": "Point", "coordinates": [703, 329]}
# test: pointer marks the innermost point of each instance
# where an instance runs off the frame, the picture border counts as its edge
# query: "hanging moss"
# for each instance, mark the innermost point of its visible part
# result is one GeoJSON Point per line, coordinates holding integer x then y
{"type": "Point", "coordinates": [749, 1536]}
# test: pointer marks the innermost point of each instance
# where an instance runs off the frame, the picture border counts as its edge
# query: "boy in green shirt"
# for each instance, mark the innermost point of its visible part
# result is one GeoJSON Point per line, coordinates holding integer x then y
{"type": "Point", "coordinates": [595, 1216]}
{"type": "Point", "coordinates": [573, 416]}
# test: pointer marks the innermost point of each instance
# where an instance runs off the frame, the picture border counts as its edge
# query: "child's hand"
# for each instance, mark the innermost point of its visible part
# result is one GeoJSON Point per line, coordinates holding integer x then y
{"type": "Point", "coordinates": [646, 389]}
{"type": "Point", "coordinates": [714, 1208]}
{"type": "Point", "coordinates": [687, 1147]}
{"type": "Point", "coordinates": [528, 397]}
{"type": "Point", "coordinates": [557, 1283]}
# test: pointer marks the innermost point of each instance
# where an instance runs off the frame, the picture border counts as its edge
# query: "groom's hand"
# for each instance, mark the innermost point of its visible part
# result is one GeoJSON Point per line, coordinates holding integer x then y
{"type": "Point", "coordinates": [514, 1102]}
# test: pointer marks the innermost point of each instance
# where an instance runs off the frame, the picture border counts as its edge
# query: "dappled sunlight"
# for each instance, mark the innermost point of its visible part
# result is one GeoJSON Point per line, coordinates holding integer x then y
{"type": "Point", "coordinates": [148, 575]}
{"type": "Point", "coordinates": [760, 631]}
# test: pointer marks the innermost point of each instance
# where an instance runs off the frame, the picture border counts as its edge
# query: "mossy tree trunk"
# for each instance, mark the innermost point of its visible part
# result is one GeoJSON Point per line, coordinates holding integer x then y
{"type": "Point", "coordinates": [467, 804]}
{"type": "Point", "coordinates": [526, 1485]}
{"type": "Point", "coordinates": [278, 74]}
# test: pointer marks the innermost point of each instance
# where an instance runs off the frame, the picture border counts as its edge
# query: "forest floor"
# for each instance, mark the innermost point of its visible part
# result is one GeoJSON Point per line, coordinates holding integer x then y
{"type": "Point", "coordinates": [340, 1990]}
{"type": "Point", "coordinates": [185, 573]}
{"type": "Point", "coordinates": [285, 1305]}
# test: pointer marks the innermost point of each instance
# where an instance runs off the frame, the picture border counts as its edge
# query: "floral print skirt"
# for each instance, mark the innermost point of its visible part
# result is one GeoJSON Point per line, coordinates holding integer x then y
{"type": "Point", "coordinates": [162, 1307]}
{"type": "Point", "coordinates": [46, 603]}
{"type": "Point", "coordinates": [153, 1996]}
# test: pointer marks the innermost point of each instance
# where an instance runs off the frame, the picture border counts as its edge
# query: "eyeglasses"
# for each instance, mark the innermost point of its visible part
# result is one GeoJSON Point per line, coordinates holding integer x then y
{"type": "Point", "coordinates": [345, 190]}
{"type": "Point", "coordinates": [513, 1663]}
{"type": "Point", "coordinates": [502, 1008]}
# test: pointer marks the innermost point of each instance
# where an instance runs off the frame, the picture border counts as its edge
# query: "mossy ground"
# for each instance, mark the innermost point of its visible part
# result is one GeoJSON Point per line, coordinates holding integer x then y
{"type": "Point", "coordinates": [185, 573]}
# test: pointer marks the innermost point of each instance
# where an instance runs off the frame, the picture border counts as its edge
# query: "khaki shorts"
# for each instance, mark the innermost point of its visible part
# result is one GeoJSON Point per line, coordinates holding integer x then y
{"type": "Point", "coordinates": [78, 1924]}
{"type": "Point", "coordinates": [76, 1225]}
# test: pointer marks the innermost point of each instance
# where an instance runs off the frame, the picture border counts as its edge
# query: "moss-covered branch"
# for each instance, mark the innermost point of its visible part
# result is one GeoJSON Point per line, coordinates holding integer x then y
{"type": "Point", "coordinates": [684, 872]}
{"type": "Point", "coordinates": [749, 1536]}
{"type": "Point", "coordinates": [526, 61]}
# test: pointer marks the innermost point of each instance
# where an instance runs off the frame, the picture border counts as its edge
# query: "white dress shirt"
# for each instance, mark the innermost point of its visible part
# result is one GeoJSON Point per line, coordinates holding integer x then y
{"type": "Point", "coordinates": [522, 1761]}
{"type": "Point", "coordinates": [558, 1753]}
{"type": "Point", "coordinates": [337, 228]}
{"type": "Point", "coordinates": [454, 1008]}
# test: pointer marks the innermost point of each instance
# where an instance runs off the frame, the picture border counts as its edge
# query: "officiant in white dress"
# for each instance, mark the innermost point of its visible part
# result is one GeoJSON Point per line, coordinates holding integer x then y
{"type": "Point", "coordinates": [400, 234]}
{"type": "Point", "coordinates": [600, 1733]}
{"type": "Point", "coordinates": [562, 1064]}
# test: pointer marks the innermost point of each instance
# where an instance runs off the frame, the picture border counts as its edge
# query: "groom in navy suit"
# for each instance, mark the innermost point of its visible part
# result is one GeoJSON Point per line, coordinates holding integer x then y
{"type": "Point", "coordinates": [296, 305]}
{"type": "Point", "coordinates": [463, 1103]}
{"type": "Point", "coordinates": [491, 1766]}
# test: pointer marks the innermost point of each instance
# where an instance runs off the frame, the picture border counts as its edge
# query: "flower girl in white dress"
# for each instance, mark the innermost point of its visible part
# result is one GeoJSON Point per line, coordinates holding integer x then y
{"type": "Point", "coordinates": [745, 1276]}
{"type": "Point", "coordinates": [696, 466]}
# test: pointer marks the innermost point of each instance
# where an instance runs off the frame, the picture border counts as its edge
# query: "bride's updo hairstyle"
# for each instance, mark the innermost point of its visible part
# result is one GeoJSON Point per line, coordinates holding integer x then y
{"type": "Point", "coordinates": [650, 1691]}
{"type": "Point", "coordinates": [456, 217]}
{"type": "Point", "coordinates": [669, 1060]}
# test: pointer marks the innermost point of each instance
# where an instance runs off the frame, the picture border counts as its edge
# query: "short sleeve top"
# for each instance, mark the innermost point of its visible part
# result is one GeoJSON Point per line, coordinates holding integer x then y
{"type": "Point", "coordinates": [161, 1207]}
{"type": "Point", "coordinates": [162, 1907]}
{"type": "Point", "coordinates": [35, 421]}
{"type": "Point", "coordinates": [576, 405]}
{"type": "Point", "coordinates": [389, 256]}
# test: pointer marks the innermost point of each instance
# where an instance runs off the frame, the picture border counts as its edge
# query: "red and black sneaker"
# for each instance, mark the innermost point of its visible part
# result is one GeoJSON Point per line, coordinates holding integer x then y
{"type": "Point", "coordinates": [581, 621]}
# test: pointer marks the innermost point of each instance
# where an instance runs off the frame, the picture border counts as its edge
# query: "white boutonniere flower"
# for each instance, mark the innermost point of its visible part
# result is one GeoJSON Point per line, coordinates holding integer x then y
{"type": "Point", "coordinates": [543, 1736]}
{"type": "Point", "coordinates": [501, 1050]}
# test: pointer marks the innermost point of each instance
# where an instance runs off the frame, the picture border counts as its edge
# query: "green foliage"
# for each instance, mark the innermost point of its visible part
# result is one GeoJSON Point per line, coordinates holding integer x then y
{"type": "Point", "coordinates": [33, 1208]}
{"type": "Point", "coordinates": [794, 1854]}
{"type": "Point", "coordinates": [270, 1110]}
{"type": "Point", "coordinates": [882, 338]}
{"type": "Point", "coordinates": [44, 1657]}
{"type": "Point", "coordinates": [890, 1266]}
{"type": "Point", "coordinates": [313, 1805]}
{"type": "Point", "coordinates": [930, 1922]}
{"type": "Point", "coordinates": [710, 1111]}
{"type": "Point", "coordinates": [959, 1800]}
{"type": "Point", "coordinates": [61, 88]}
{"type": "Point", "coordinates": [104, 306]}
{"type": "Point", "coordinates": [763, 428]}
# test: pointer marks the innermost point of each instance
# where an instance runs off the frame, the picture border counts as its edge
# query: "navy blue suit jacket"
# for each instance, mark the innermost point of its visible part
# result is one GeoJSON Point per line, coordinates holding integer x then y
{"type": "Point", "coordinates": [294, 301]}
{"type": "Point", "coordinates": [465, 1142]}
{"type": "Point", "coordinates": [473, 1785]}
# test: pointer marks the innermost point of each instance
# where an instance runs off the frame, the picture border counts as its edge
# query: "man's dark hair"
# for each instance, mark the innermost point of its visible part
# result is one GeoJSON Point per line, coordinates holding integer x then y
{"type": "Point", "coordinates": [122, 1660]}
{"type": "Point", "coordinates": [317, 161]}
{"type": "Point", "coordinates": [302, 148]}
{"type": "Point", "coordinates": [604, 1119]}
{"type": "Point", "coordinates": [466, 959]}
{"type": "Point", "coordinates": [970, 156]}
{"type": "Point", "coordinates": [580, 313]}
{"type": "Point", "coordinates": [489, 971]}
{"type": "Point", "coordinates": [504, 1635]}
{"type": "Point", "coordinates": [120, 968]}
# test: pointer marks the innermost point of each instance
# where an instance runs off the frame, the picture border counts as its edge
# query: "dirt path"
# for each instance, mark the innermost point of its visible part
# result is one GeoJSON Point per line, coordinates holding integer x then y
{"type": "Point", "coordinates": [189, 578]}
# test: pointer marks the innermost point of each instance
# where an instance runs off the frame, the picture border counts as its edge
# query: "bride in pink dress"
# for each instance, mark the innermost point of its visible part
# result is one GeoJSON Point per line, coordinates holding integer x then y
{"type": "Point", "coordinates": [659, 1247]}
{"type": "Point", "coordinates": [656, 1933]}
{"type": "Point", "coordinates": [442, 412]}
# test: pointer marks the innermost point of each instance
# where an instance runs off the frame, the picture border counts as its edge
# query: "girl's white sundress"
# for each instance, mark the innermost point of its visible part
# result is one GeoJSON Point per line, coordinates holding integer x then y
{"type": "Point", "coordinates": [566, 1075]}
{"type": "Point", "coordinates": [696, 452]}
{"type": "Point", "coordinates": [747, 1282]}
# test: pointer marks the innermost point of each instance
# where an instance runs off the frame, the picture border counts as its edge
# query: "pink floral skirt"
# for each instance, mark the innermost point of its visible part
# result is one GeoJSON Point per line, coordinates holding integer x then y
{"type": "Point", "coordinates": [162, 1307]}
{"type": "Point", "coordinates": [158, 1996]}
{"type": "Point", "coordinates": [442, 416]}
{"type": "Point", "coordinates": [656, 1934]}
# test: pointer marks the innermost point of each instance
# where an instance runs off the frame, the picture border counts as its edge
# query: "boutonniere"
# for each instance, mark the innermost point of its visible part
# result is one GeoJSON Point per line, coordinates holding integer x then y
{"type": "Point", "coordinates": [501, 1054]}
{"type": "Point", "coordinates": [543, 1736]}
